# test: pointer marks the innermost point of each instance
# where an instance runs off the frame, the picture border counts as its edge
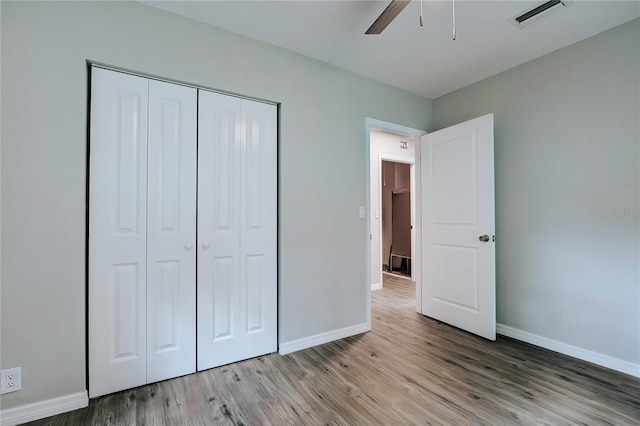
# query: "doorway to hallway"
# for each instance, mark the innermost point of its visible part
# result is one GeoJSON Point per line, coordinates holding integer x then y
{"type": "Point", "coordinates": [395, 200]}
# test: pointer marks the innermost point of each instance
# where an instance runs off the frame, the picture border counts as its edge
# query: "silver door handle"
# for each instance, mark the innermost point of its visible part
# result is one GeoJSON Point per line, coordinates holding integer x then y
{"type": "Point", "coordinates": [188, 246]}
{"type": "Point", "coordinates": [206, 245]}
{"type": "Point", "coordinates": [484, 238]}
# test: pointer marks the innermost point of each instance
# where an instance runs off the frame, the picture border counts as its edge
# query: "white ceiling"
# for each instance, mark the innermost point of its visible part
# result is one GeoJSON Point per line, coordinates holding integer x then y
{"type": "Point", "coordinates": [426, 60]}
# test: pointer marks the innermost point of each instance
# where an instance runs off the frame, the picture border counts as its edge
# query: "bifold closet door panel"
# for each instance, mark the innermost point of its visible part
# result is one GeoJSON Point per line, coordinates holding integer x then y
{"type": "Point", "coordinates": [258, 229]}
{"type": "Point", "coordinates": [117, 232]}
{"type": "Point", "coordinates": [171, 231]}
{"type": "Point", "coordinates": [218, 229]}
{"type": "Point", "coordinates": [237, 226]}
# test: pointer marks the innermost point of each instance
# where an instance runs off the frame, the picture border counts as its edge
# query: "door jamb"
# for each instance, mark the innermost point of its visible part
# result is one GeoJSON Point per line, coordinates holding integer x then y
{"type": "Point", "coordinates": [372, 123]}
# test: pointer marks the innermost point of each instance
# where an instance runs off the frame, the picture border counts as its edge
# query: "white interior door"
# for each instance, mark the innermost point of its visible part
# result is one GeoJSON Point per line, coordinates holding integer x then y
{"type": "Point", "coordinates": [218, 229]}
{"type": "Point", "coordinates": [142, 230]}
{"type": "Point", "coordinates": [258, 229]}
{"type": "Point", "coordinates": [171, 231]}
{"type": "Point", "coordinates": [117, 232]}
{"type": "Point", "coordinates": [237, 202]}
{"type": "Point", "coordinates": [458, 226]}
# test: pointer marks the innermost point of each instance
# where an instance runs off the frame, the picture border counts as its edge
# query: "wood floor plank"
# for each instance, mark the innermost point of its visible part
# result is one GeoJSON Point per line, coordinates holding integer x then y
{"type": "Point", "coordinates": [409, 370]}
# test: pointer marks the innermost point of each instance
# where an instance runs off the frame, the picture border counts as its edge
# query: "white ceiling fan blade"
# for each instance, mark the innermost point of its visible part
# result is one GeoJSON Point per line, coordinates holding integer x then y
{"type": "Point", "coordinates": [388, 15]}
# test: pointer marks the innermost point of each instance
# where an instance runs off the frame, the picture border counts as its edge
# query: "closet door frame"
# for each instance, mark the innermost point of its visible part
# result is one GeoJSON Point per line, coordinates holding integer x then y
{"type": "Point", "coordinates": [97, 67]}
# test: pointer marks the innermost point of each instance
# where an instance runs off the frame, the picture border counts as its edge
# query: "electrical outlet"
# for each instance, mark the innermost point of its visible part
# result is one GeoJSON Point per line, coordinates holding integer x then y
{"type": "Point", "coordinates": [10, 380]}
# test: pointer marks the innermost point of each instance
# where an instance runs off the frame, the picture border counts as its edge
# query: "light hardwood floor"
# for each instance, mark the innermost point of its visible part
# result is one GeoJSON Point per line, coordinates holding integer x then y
{"type": "Point", "coordinates": [408, 370]}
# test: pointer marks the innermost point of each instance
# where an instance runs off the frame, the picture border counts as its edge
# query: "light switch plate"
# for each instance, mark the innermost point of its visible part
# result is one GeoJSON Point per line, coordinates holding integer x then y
{"type": "Point", "coordinates": [362, 212]}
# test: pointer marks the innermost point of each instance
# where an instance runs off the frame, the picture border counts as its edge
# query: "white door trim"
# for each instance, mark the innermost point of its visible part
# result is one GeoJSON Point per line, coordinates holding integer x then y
{"type": "Point", "coordinates": [370, 124]}
{"type": "Point", "coordinates": [97, 64]}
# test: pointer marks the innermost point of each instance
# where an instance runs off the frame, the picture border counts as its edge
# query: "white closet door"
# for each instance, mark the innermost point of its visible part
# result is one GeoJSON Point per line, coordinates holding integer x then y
{"type": "Point", "coordinates": [218, 229]}
{"type": "Point", "coordinates": [237, 226]}
{"type": "Point", "coordinates": [117, 232]}
{"type": "Point", "coordinates": [171, 231]}
{"type": "Point", "coordinates": [258, 234]}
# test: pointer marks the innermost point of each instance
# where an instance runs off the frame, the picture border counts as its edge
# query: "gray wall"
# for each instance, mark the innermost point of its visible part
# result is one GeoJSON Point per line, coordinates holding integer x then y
{"type": "Point", "coordinates": [566, 155]}
{"type": "Point", "coordinates": [44, 99]}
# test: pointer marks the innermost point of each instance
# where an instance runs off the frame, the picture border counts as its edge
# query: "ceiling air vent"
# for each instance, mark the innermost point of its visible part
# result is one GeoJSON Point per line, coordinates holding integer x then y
{"type": "Point", "coordinates": [537, 12]}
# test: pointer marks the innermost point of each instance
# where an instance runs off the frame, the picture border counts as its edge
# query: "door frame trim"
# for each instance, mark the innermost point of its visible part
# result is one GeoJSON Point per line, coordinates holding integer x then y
{"type": "Point", "coordinates": [97, 64]}
{"type": "Point", "coordinates": [371, 124]}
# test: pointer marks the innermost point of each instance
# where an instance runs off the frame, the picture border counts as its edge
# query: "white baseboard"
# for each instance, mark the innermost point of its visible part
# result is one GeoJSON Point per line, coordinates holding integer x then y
{"type": "Point", "coordinates": [39, 410]}
{"type": "Point", "coordinates": [376, 286]}
{"type": "Point", "coordinates": [574, 351]}
{"type": "Point", "coordinates": [319, 339]}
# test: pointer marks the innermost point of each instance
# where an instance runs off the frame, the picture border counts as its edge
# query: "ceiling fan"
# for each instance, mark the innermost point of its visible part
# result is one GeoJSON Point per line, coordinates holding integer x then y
{"type": "Point", "coordinates": [520, 20]}
{"type": "Point", "coordinates": [388, 15]}
{"type": "Point", "coordinates": [392, 10]}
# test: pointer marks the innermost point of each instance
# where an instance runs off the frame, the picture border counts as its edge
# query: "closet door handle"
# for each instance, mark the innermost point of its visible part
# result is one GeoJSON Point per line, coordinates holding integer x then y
{"type": "Point", "coordinates": [188, 246]}
{"type": "Point", "coordinates": [206, 245]}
